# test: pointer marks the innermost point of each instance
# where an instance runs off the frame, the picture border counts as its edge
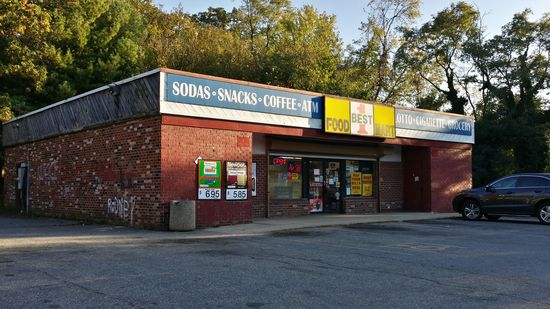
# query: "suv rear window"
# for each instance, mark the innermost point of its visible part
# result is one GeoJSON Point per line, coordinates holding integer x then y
{"type": "Point", "coordinates": [533, 181]}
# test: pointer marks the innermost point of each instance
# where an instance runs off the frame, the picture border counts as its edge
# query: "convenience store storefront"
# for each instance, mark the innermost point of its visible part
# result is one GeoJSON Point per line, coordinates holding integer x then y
{"type": "Point", "coordinates": [241, 150]}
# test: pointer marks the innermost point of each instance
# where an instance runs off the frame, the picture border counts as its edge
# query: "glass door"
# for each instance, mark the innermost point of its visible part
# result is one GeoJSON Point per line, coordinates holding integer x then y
{"type": "Point", "coordinates": [333, 187]}
{"type": "Point", "coordinates": [315, 186]}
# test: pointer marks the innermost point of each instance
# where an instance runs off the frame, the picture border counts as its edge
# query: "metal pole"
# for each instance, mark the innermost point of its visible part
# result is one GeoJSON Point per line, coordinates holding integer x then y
{"type": "Point", "coordinates": [27, 186]}
{"type": "Point", "coordinates": [267, 146]}
{"type": "Point", "coordinates": [378, 184]}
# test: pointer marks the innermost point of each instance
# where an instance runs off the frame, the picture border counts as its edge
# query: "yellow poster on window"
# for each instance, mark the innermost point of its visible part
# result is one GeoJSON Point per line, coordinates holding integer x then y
{"type": "Point", "coordinates": [367, 184]}
{"type": "Point", "coordinates": [337, 114]}
{"type": "Point", "coordinates": [384, 121]}
{"type": "Point", "coordinates": [356, 183]}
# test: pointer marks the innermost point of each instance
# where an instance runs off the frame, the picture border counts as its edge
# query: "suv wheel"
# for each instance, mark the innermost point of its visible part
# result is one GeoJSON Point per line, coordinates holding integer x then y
{"type": "Point", "coordinates": [544, 213]}
{"type": "Point", "coordinates": [471, 210]}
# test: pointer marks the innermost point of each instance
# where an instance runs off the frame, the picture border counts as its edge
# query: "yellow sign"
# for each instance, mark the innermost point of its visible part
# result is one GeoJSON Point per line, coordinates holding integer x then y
{"type": "Point", "coordinates": [384, 121]}
{"type": "Point", "coordinates": [367, 184]}
{"type": "Point", "coordinates": [337, 115]}
{"type": "Point", "coordinates": [356, 183]}
{"type": "Point", "coordinates": [356, 118]}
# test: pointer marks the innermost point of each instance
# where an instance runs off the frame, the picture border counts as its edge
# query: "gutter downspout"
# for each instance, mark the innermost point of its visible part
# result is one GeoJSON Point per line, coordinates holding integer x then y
{"type": "Point", "coordinates": [267, 146]}
{"type": "Point", "coordinates": [378, 204]}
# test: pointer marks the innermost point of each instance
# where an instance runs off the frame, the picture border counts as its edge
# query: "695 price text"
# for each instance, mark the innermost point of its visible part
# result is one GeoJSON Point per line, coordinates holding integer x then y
{"type": "Point", "coordinates": [210, 194]}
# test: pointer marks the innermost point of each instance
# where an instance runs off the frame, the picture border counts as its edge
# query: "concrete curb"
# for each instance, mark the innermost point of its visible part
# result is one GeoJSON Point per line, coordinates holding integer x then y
{"type": "Point", "coordinates": [94, 235]}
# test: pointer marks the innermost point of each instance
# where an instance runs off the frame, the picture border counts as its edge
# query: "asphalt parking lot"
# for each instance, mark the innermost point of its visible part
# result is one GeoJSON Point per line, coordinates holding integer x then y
{"type": "Point", "coordinates": [447, 263]}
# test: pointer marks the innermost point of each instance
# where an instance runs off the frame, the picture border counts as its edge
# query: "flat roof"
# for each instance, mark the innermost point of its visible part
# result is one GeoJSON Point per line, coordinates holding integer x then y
{"type": "Point", "coordinates": [146, 94]}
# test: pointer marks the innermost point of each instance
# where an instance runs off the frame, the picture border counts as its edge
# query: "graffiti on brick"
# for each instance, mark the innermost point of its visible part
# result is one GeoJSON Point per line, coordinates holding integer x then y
{"type": "Point", "coordinates": [122, 207]}
{"type": "Point", "coordinates": [47, 170]}
{"type": "Point", "coordinates": [66, 191]}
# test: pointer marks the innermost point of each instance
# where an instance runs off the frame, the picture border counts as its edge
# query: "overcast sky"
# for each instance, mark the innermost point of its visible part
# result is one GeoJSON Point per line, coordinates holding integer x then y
{"type": "Point", "coordinates": [350, 13]}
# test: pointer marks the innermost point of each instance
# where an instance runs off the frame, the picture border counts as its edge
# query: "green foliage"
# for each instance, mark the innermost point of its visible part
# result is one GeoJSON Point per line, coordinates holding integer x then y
{"type": "Point", "coordinates": [23, 26]}
{"type": "Point", "coordinates": [176, 41]}
{"type": "Point", "coordinates": [436, 50]}
{"type": "Point", "coordinates": [306, 51]}
{"type": "Point", "coordinates": [373, 71]}
{"type": "Point", "coordinates": [62, 48]}
{"type": "Point", "coordinates": [491, 159]}
{"type": "Point", "coordinates": [514, 71]}
{"type": "Point", "coordinates": [263, 41]}
{"type": "Point", "coordinates": [215, 17]}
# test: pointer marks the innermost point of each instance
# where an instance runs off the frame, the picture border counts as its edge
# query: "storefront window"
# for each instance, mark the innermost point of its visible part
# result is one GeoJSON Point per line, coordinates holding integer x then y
{"type": "Point", "coordinates": [359, 177]}
{"type": "Point", "coordinates": [285, 178]}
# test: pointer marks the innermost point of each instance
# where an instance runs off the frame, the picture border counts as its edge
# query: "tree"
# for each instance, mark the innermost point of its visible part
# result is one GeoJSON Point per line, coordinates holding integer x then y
{"type": "Point", "coordinates": [436, 50]}
{"type": "Point", "coordinates": [266, 41]}
{"type": "Point", "coordinates": [306, 51]}
{"type": "Point", "coordinates": [96, 42]}
{"type": "Point", "coordinates": [216, 17]}
{"type": "Point", "coordinates": [256, 22]}
{"type": "Point", "coordinates": [372, 67]}
{"type": "Point", "coordinates": [514, 67]}
{"type": "Point", "coordinates": [177, 41]}
{"type": "Point", "coordinates": [23, 51]}
{"type": "Point", "coordinates": [52, 50]}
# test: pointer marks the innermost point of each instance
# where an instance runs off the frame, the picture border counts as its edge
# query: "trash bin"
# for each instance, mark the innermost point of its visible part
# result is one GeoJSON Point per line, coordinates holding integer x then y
{"type": "Point", "coordinates": [182, 215]}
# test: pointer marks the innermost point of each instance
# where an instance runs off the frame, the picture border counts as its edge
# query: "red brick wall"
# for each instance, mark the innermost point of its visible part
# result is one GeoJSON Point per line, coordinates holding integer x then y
{"type": "Point", "coordinates": [391, 186]}
{"type": "Point", "coordinates": [109, 174]}
{"type": "Point", "coordinates": [259, 201]}
{"type": "Point", "coordinates": [451, 173]}
{"type": "Point", "coordinates": [288, 208]}
{"type": "Point", "coordinates": [360, 205]}
{"type": "Point", "coordinates": [180, 146]}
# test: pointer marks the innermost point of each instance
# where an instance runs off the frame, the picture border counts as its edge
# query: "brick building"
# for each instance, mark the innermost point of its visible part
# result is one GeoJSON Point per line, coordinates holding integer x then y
{"type": "Point", "coordinates": [122, 152]}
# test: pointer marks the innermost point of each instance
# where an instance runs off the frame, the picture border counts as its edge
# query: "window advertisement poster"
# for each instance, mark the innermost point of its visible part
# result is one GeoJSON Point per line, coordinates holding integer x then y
{"type": "Point", "coordinates": [210, 180]}
{"type": "Point", "coordinates": [367, 184]}
{"type": "Point", "coordinates": [316, 204]}
{"type": "Point", "coordinates": [237, 180]}
{"type": "Point", "coordinates": [356, 183]}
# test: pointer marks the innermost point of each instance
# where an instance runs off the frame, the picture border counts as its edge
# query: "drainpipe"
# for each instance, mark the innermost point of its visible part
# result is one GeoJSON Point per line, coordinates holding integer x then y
{"type": "Point", "coordinates": [267, 146]}
{"type": "Point", "coordinates": [378, 205]}
{"type": "Point", "coordinates": [27, 186]}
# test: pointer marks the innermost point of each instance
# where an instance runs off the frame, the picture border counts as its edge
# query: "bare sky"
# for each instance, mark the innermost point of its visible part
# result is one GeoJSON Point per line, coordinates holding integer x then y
{"type": "Point", "coordinates": [350, 13]}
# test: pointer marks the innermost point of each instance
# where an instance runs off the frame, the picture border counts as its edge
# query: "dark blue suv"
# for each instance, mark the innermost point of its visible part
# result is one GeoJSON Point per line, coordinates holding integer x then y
{"type": "Point", "coordinates": [519, 194]}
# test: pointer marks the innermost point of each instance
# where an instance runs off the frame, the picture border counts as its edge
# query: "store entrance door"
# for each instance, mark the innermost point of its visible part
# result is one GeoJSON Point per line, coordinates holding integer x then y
{"type": "Point", "coordinates": [325, 186]}
{"type": "Point", "coordinates": [333, 187]}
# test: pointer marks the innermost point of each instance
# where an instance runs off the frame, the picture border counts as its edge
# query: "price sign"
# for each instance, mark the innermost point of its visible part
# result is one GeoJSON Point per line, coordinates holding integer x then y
{"type": "Point", "coordinates": [236, 194]}
{"type": "Point", "coordinates": [209, 180]}
{"type": "Point", "coordinates": [210, 194]}
{"type": "Point", "coordinates": [236, 184]}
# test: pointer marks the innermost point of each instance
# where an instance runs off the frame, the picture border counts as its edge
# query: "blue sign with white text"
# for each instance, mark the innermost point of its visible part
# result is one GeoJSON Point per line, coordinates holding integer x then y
{"type": "Point", "coordinates": [198, 91]}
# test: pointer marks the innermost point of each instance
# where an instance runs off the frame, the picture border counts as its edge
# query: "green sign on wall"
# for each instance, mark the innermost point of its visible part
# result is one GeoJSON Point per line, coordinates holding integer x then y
{"type": "Point", "coordinates": [210, 173]}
